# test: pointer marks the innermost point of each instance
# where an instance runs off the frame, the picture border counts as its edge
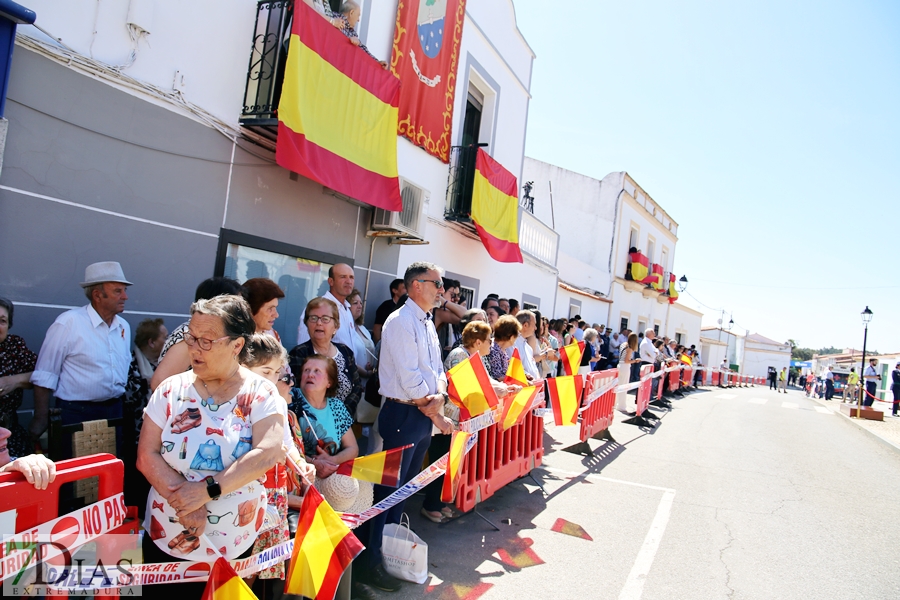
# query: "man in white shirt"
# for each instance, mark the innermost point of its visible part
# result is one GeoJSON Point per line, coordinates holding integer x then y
{"type": "Point", "coordinates": [526, 354]}
{"type": "Point", "coordinates": [86, 354]}
{"type": "Point", "coordinates": [414, 386]}
{"type": "Point", "coordinates": [647, 350]}
{"type": "Point", "coordinates": [340, 285]}
{"type": "Point", "coordinates": [871, 376]}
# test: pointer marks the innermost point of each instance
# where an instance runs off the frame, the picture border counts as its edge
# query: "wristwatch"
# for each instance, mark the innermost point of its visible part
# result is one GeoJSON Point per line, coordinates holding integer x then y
{"type": "Point", "coordinates": [212, 488]}
{"type": "Point", "coordinates": [446, 397]}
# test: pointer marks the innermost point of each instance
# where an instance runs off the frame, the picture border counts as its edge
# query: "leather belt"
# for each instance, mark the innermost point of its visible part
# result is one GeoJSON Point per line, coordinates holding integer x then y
{"type": "Point", "coordinates": [110, 402]}
{"type": "Point", "coordinates": [399, 401]}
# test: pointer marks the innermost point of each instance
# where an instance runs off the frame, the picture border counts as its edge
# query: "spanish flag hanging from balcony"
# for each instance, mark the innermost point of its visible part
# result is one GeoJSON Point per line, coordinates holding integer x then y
{"type": "Point", "coordinates": [495, 209]}
{"type": "Point", "coordinates": [640, 267]}
{"type": "Point", "coordinates": [425, 57]}
{"type": "Point", "coordinates": [673, 292]}
{"type": "Point", "coordinates": [337, 119]}
{"type": "Point", "coordinates": [656, 277]}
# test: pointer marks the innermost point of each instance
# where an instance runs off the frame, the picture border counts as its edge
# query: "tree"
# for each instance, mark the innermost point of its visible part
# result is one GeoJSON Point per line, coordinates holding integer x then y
{"type": "Point", "coordinates": [802, 353]}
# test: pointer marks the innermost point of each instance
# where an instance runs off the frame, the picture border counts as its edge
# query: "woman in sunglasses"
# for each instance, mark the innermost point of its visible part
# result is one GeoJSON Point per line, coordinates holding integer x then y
{"type": "Point", "coordinates": [322, 320]}
{"type": "Point", "coordinates": [208, 435]}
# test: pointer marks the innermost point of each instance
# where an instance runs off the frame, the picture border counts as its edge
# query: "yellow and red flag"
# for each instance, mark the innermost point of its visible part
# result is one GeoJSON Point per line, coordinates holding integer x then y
{"type": "Point", "coordinates": [673, 292]}
{"type": "Point", "coordinates": [382, 468]}
{"type": "Point", "coordinates": [571, 357]}
{"type": "Point", "coordinates": [425, 57]}
{"type": "Point", "coordinates": [469, 387]}
{"type": "Point", "coordinates": [640, 267]}
{"type": "Point", "coordinates": [515, 372]}
{"type": "Point", "coordinates": [224, 584]}
{"type": "Point", "coordinates": [656, 277]}
{"type": "Point", "coordinates": [323, 547]}
{"type": "Point", "coordinates": [495, 209]}
{"type": "Point", "coordinates": [337, 118]}
{"type": "Point", "coordinates": [565, 397]}
{"type": "Point", "coordinates": [514, 408]}
{"type": "Point", "coordinates": [455, 458]}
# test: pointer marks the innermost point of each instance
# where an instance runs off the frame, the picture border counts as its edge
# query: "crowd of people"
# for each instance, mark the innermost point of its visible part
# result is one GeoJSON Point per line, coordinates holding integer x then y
{"type": "Point", "coordinates": [227, 428]}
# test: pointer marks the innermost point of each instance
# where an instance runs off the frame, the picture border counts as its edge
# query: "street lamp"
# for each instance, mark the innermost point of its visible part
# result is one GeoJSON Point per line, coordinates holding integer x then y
{"type": "Point", "coordinates": [730, 324]}
{"type": "Point", "coordinates": [866, 318]}
{"type": "Point", "coordinates": [682, 283]}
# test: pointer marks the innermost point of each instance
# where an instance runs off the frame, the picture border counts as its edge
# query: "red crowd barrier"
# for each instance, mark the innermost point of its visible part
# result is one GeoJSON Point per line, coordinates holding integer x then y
{"type": "Point", "coordinates": [599, 415]}
{"type": "Point", "coordinates": [674, 377]}
{"type": "Point", "coordinates": [715, 376]}
{"type": "Point", "coordinates": [642, 404]}
{"type": "Point", "coordinates": [687, 376]}
{"type": "Point", "coordinates": [500, 457]}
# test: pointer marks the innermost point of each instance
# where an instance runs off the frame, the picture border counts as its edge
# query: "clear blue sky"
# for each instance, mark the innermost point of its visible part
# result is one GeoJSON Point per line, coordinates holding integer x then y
{"type": "Point", "coordinates": [769, 131]}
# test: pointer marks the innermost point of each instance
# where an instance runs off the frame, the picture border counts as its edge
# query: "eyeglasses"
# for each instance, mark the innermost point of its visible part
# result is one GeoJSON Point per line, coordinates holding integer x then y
{"type": "Point", "coordinates": [214, 519]}
{"type": "Point", "coordinates": [204, 343]}
{"type": "Point", "coordinates": [437, 282]}
{"type": "Point", "coordinates": [324, 320]}
{"type": "Point", "coordinates": [287, 377]}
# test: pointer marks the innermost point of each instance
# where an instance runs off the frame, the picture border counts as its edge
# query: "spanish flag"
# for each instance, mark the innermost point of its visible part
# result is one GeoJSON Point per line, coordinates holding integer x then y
{"type": "Point", "coordinates": [337, 119]}
{"type": "Point", "coordinates": [571, 357]}
{"type": "Point", "coordinates": [515, 408]}
{"type": "Point", "coordinates": [224, 584]}
{"type": "Point", "coordinates": [656, 277]}
{"type": "Point", "coordinates": [515, 372]}
{"type": "Point", "coordinates": [323, 548]}
{"type": "Point", "coordinates": [640, 267]}
{"type": "Point", "coordinates": [495, 209]}
{"type": "Point", "coordinates": [673, 293]}
{"type": "Point", "coordinates": [454, 464]}
{"type": "Point", "coordinates": [382, 468]}
{"type": "Point", "coordinates": [469, 387]}
{"type": "Point", "coordinates": [565, 397]}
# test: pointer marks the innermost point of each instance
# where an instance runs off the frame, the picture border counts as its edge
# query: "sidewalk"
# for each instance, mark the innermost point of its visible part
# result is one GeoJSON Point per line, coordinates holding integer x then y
{"type": "Point", "coordinates": [888, 431]}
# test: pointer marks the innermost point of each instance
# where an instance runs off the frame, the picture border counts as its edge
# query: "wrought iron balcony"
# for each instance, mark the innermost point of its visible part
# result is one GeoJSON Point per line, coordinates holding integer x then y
{"type": "Point", "coordinates": [460, 183]}
{"type": "Point", "coordinates": [265, 74]}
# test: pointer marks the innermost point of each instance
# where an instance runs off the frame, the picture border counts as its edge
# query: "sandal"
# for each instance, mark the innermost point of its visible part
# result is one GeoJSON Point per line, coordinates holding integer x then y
{"type": "Point", "coordinates": [450, 513]}
{"type": "Point", "coordinates": [435, 516]}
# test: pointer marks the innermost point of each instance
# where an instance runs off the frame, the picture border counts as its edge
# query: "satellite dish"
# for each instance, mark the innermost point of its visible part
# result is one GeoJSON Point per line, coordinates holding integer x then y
{"type": "Point", "coordinates": [719, 321]}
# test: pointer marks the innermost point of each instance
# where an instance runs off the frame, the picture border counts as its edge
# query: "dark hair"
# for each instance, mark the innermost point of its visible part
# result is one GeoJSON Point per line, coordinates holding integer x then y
{"type": "Point", "coordinates": [450, 283]}
{"type": "Point", "coordinates": [395, 284]}
{"type": "Point", "coordinates": [330, 369]}
{"type": "Point", "coordinates": [507, 327]}
{"type": "Point", "coordinates": [416, 269]}
{"type": "Point", "coordinates": [8, 305]}
{"type": "Point", "coordinates": [216, 286]}
{"type": "Point", "coordinates": [147, 330]}
{"type": "Point", "coordinates": [258, 291]}
{"type": "Point", "coordinates": [487, 302]}
{"type": "Point", "coordinates": [234, 312]}
{"type": "Point", "coordinates": [494, 296]}
{"type": "Point", "coordinates": [513, 303]}
{"type": "Point", "coordinates": [264, 348]}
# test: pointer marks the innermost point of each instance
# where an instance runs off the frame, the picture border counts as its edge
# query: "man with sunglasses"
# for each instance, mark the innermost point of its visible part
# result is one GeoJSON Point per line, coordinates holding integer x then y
{"type": "Point", "coordinates": [414, 386]}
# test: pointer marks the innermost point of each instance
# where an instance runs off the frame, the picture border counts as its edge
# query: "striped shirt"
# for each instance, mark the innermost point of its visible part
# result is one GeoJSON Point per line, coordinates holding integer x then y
{"type": "Point", "coordinates": [83, 358]}
{"type": "Point", "coordinates": [410, 361]}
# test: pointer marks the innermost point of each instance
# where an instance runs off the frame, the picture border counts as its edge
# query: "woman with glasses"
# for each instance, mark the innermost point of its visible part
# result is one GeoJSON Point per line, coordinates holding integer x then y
{"type": "Point", "coordinates": [208, 435]}
{"type": "Point", "coordinates": [268, 359]}
{"type": "Point", "coordinates": [322, 320]}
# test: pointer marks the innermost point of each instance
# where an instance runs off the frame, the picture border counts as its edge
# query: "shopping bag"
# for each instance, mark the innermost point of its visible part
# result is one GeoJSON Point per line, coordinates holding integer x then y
{"type": "Point", "coordinates": [405, 554]}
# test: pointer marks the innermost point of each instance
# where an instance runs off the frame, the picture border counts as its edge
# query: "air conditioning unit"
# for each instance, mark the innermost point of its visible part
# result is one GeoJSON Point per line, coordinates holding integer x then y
{"type": "Point", "coordinates": [409, 222]}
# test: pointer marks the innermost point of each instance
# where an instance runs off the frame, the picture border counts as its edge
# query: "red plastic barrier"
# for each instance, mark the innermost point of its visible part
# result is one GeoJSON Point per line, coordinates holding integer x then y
{"type": "Point", "coordinates": [643, 395]}
{"type": "Point", "coordinates": [715, 378]}
{"type": "Point", "coordinates": [500, 457]}
{"type": "Point", "coordinates": [599, 415]}
{"type": "Point", "coordinates": [659, 386]}
{"type": "Point", "coordinates": [673, 379]}
{"type": "Point", "coordinates": [687, 376]}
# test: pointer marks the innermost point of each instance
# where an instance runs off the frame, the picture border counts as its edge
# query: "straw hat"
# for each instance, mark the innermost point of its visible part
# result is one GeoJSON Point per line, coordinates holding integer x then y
{"type": "Point", "coordinates": [365, 499]}
{"type": "Point", "coordinates": [340, 491]}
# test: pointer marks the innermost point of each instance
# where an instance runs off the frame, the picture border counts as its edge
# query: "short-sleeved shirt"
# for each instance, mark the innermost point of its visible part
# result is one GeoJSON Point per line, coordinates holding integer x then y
{"type": "Point", "coordinates": [326, 425]}
{"type": "Point", "coordinates": [384, 310]}
{"type": "Point", "coordinates": [198, 442]}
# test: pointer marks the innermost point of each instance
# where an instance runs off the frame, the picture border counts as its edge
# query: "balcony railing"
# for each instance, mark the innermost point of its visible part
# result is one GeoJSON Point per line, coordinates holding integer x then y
{"type": "Point", "coordinates": [460, 183]}
{"type": "Point", "coordinates": [265, 74]}
{"type": "Point", "coordinates": [537, 239]}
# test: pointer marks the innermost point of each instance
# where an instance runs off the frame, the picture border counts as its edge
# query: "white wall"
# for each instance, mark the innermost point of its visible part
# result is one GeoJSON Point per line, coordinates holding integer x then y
{"type": "Point", "coordinates": [711, 352]}
{"type": "Point", "coordinates": [686, 321]}
{"type": "Point", "coordinates": [756, 362]}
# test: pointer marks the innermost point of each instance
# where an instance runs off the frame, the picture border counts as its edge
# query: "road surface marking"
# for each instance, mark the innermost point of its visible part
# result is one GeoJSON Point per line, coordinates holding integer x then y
{"type": "Point", "coordinates": [757, 400]}
{"type": "Point", "coordinates": [726, 396]}
{"type": "Point", "coordinates": [789, 405]}
{"type": "Point", "coordinates": [824, 411]}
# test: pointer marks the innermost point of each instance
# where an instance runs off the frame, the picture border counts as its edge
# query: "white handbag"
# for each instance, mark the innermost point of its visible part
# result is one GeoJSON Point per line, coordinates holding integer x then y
{"type": "Point", "coordinates": [405, 554]}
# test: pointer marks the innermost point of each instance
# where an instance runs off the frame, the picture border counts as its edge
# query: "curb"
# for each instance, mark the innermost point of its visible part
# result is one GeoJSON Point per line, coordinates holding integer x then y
{"type": "Point", "coordinates": [855, 423]}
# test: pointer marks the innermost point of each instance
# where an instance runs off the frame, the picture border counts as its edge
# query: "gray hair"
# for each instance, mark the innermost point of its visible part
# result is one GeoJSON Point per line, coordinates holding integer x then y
{"type": "Point", "coordinates": [470, 314]}
{"type": "Point", "coordinates": [649, 330]}
{"type": "Point", "coordinates": [89, 290]}
{"type": "Point", "coordinates": [419, 268]}
{"type": "Point", "coordinates": [237, 320]}
{"type": "Point", "coordinates": [347, 6]}
{"type": "Point", "coordinates": [264, 348]}
{"type": "Point", "coordinates": [8, 305]}
{"type": "Point", "coordinates": [590, 334]}
{"type": "Point", "coordinates": [525, 316]}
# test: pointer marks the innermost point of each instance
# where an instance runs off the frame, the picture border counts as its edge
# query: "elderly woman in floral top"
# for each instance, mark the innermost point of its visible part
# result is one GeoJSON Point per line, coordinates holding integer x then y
{"type": "Point", "coordinates": [16, 364]}
{"type": "Point", "coordinates": [506, 331]}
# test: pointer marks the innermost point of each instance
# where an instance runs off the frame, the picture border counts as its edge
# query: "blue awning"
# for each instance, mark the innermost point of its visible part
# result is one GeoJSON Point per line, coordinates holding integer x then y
{"type": "Point", "coordinates": [17, 13]}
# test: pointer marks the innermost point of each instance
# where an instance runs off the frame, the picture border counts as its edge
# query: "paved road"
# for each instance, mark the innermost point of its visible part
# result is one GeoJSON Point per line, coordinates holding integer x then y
{"type": "Point", "coordinates": [741, 493]}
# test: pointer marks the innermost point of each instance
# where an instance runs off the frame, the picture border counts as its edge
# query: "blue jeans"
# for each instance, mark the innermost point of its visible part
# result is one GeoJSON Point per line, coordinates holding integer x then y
{"type": "Point", "coordinates": [73, 412]}
{"type": "Point", "coordinates": [399, 425]}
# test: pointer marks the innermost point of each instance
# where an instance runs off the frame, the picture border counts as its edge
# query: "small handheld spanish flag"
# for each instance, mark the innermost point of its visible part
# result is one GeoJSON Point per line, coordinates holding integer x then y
{"type": "Point", "coordinates": [382, 468]}
{"type": "Point", "coordinates": [454, 464]}
{"type": "Point", "coordinates": [571, 357]}
{"type": "Point", "coordinates": [469, 387]}
{"type": "Point", "coordinates": [515, 372]}
{"type": "Point", "coordinates": [514, 408]}
{"type": "Point", "coordinates": [565, 397]}
{"type": "Point", "coordinates": [224, 584]}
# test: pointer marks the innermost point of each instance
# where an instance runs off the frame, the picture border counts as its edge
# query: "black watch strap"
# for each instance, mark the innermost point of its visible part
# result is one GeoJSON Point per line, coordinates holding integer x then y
{"type": "Point", "coordinates": [212, 488]}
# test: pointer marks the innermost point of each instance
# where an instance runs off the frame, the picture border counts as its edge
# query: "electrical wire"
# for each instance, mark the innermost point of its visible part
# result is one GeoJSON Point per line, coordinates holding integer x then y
{"type": "Point", "coordinates": [788, 287]}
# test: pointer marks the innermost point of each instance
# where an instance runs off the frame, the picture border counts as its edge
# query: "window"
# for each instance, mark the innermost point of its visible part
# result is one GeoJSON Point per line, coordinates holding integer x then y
{"type": "Point", "coordinates": [664, 261]}
{"type": "Point", "coordinates": [651, 249]}
{"type": "Point", "coordinates": [467, 296]}
{"type": "Point", "coordinates": [634, 237]}
{"type": "Point", "coordinates": [656, 329]}
{"type": "Point", "coordinates": [623, 323]}
{"type": "Point", "coordinates": [642, 327]}
{"type": "Point", "coordinates": [301, 274]}
{"type": "Point", "coordinates": [678, 337]}
{"type": "Point", "coordinates": [529, 306]}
